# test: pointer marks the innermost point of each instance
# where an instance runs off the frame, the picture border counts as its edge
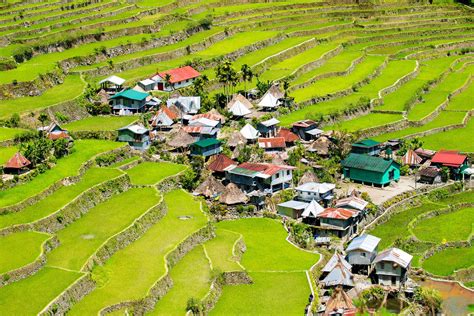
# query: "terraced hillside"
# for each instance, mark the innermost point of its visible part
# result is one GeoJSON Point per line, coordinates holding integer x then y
{"type": "Point", "coordinates": [122, 237]}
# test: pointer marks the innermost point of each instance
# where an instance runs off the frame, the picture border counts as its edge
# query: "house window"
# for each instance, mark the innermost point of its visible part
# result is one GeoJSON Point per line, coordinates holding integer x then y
{"type": "Point", "coordinates": [363, 254]}
{"type": "Point", "coordinates": [288, 172]}
{"type": "Point", "coordinates": [277, 175]}
{"type": "Point", "coordinates": [382, 266]}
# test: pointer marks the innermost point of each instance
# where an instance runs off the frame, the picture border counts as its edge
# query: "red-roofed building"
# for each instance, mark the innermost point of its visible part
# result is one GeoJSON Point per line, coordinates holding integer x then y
{"type": "Point", "coordinates": [340, 222]}
{"type": "Point", "coordinates": [288, 135]}
{"type": "Point", "coordinates": [164, 118]}
{"type": "Point", "coordinates": [220, 163]}
{"type": "Point", "coordinates": [180, 78]}
{"type": "Point", "coordinates": [272, 143]}
{"type": "Point", "coordinates": [17, 164]}
{"type": "Point", "coordinates": [451, 159]}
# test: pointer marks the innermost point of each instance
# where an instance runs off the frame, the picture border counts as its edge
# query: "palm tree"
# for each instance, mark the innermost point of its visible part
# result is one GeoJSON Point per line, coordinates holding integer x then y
{"type": "Point", "coordinates": [226, 75]}
{"type": "Point", "coordinates": [42, 118]}
{"type": "Point", "coordinates": [247, 76]}
{"type": "Point", "coordinates": [168, 81]}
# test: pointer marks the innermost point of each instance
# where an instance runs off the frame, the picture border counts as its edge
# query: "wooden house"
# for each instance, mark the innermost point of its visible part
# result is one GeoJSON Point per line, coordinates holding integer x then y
{"type": "Point", "coordinates": [392, 266]}
{"type": "Point", "coordinates": [361, 252]}
{"type": "Point", "coordinates": [366, 146]}
{"type": "Point", "coordinates": [451, 159]}
{"type": "Point", "coordinates": [136, 136]}
{"type": "Point", "coordinates": [53, 131]}
{"type": "Point", "coordinates": [272, 144]}
{"type": "Point", "coordinates": [339, 222]}
{"type": "Point", "coordinates": [206, 147]}
{"type": "Point", "coordinates": [369, 169]}
{"type": "Point", "coordinates": [264, 177]}
{"type": "Point", "coordinates": [17, 164]}
{"type": "Point", "coordinates": [179, 78]}
{"type": "Point", "coordinates": [430, 175]}
{"type": "Point", "coordinates": [128, 102]}
{"type": "Point", "coordinates": [306, 130]}
{"type": "Point", "coordinates": [268, 128]}
{"type": "Point", "coordinates": [220, 163]}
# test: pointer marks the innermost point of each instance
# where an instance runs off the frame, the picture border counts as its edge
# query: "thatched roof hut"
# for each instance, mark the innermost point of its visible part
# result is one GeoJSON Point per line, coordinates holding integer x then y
{"type": "Point", "coordinates": [233, 195]}
{"type": "Point", "coordinates": [210, 188]}
{"type": "Point", "coordinates": [320, 146]}
{"type": "Point", "coordinates": [180, 139]}
{"type": "Point", "coordinates": [339, 301]}
{"type": "Point", "coordinates": [236, 139]}
{"type": "Point", "coordinates": [308, 176]}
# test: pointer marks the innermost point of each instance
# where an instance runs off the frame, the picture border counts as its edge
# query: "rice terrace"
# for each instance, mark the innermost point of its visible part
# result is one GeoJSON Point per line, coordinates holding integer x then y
{"type": "Point", "coordinates": [236, 157]}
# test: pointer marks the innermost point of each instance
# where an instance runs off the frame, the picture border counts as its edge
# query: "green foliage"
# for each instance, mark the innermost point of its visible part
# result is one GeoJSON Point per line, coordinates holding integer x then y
{"type": "Point", "coordinates": [373, 296]}
{"type": "Point", "coordinates": [429, 298]}
{"type": "Point", "coordinates": [13, 121]}
{"type": "Point", "coordinates": [188, 180]}
{"type": "Point", "coordinates": [106, 159]}
{"type": "Point", "coordinates": [301, 234]}
{"type": "Point", "coordinates": [22, 53]}
{"type": "Point", "coordinates": [409, 144]}
{"type": "Point", "coordinates": [96, 108]}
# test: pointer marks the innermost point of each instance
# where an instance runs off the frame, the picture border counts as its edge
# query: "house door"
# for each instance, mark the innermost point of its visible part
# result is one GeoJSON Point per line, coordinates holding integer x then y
{"type": "Point", "coordinates": [391, 174]}
{"type": "Point", "coordinates": [394, 280]}
{"type": "Point", "coordinates": [160, 86]}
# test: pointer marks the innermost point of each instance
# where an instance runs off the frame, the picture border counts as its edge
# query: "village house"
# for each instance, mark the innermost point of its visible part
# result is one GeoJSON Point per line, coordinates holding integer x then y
{"type": "Point", "coordinates": [163, 119]}
{"type": "Point", "coordinates": [451, 159]}
{"type": "Point", "coordinates": [352, 203]}
{"type": "Point", "coordinates": [288, 135]}
{"type": "Point", "coordinates": [179, 78]}
{"type": "Point", "coordinates": [272, 99]}
{"type": "Point", "coordinates": [366, 146]}
{"type": "Point", "coordinates": [212, 115]}
{"type": "Point", "coordinates": [200, 132]}
{"type": "Point", "coordinates": [320, 146]}
{"type": "Point", "coordinates": [206, 147]}
{"type": "Point", "coordinates": [136, 136]}
{"type": "Point", "coordinates": [425, 154]}
{"type": "Point", "coordinates": [272, 144]}
{"type": "Point", "coordinates": [219, 164]}
{"type": "Point", "coordinates": [292, 208]}
{"type": "Point", "coordinates": [239, 106]}
{"type": "Point", "coordinates": [361, 252]}
{"type": "Point", "coordinates": [112, 84]}
{"type": "Point", "coordinates": [180, 141]}
{"type": "Point", "coordinates": [268, 128]}
{"type": "Point", "coordinates": [411, 159]}
{"type": "Point", "coordinates": [371, 170]}
{"type": "Point", "coordinates": [53, 131]}
{"type": "Point", "coordinates": [315, 191]}
{"type": "Point", "coordinates": [264, 177]}
{"type": "Point", "coordinates": [128, 102]}
{"type": "Point", "coordinates": [339, 222]}
{"type": "Point", "coordinates": [186, 105]}
{"type": "Point", "coordinates": [249, 133]}
{"type": "Point", "coordinates": [17, 164]}
{"type": "Point", "coordinates": [392, 266]}
{"type": "Point", "coordinates": [307, 130]}
{"type": "Point", "coordinates": [337, 272]}
{"type": "Point", "coordinates": [147, 84]}
{"type": "Point", "coordinates": [430, 175]}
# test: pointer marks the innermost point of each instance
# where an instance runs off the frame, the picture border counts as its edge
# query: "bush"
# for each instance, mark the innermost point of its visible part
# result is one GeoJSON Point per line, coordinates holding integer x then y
{"type": "Point", "coordinates": [195, 306]}
{"type": "Point", "coordinates": [105, 160]}
{"type": "Point", "coordinates": [22, 54]}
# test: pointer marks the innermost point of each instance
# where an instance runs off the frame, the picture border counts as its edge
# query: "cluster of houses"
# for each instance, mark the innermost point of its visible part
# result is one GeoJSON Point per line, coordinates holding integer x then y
{"type": "Point", "coordinates": [344, 277]}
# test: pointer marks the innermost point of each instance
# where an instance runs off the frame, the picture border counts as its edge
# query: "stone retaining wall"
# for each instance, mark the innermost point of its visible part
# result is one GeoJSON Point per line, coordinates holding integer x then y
{"type": "Point", "coordinates": [443, 128]}
{"type": "Point", "coordinates": [105, 135]}
{"type": "Point", "coordinates": [31, 268]}
{"type": "Point", "coordinates": [127, 236]}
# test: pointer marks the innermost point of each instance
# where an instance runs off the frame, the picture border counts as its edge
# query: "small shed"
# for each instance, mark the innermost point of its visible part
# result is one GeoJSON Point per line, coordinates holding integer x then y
{"type": "Point", "coordinates": [272, 98]}
{"type": "Point", "coordinates": [236, 139]}
{"type": "Point", "coordinates": [233, 195]}
{"type": "Point", "coordinates": [430, 175]}
{"type": "Point", "coordinates": [411, 159]}
{"type": "Point", "coordinates": [366, 146]}
{"type": "Point", "coordinates": [292, 208]}
{"type": "Point", "coordinates": [17, 164]}
{"type": "Point", "coordinates": [239, 106]}
{"type": "Point", "coordinates": [370, 169]}
{"type": "Point", "coordinates": [147, 84]}
{"type": "Point", "coordinates": [112, 84]}
{"type": "Point", "coordinates": [210, 188]}
{"type": "Point", "coordinates": [307, 130]}
{"type": "Point", "coordinates": [288, 135]}
{"type": "Point", "coordinates": [206, 147]}
{"type": "Point", "coordinates": [268, 128]}
{"type": "Point", "coordinates": [321, 146]}
{"type": "Point", "coordinates": [272, 144]}
{"type": "Point", "coordinates": [181, 139]}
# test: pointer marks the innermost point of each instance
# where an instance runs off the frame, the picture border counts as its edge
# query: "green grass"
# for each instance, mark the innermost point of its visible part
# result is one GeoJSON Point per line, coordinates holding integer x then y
{"type": "Point", "coordinates": [191, 278]}
{"type": "Point", "coordinates": [124, 162]}
{"type": "Point", "coordinates": [219, 250]}
{"type": "Point", "coordinates": [365, 121]}
{"type": "Point", "coordinates": [446, 227]}
{"type": "Point", "coordinates": [100, 123]}
{"type": "Point", "coordinates": [130, 272]}
{"type": "Point", "coordinates": [19, 249]}
{"type": "Point", "coordinates": [150, 173]}
{"type": "Point", "coordinates": [70, 89]}
{"type": "Point", "coordinates": [449, 260]}
{"type": "Point", "coordinates": [443, 119]}
{"type": "Point", "coordinates": [463, 101]}
{"type": "Point", "coordinates": [451, 139]}
{"type": "Point", "coordinates": [82, 238]}
{"type": "Point", "coordinates": [65, 167]}
{"type": "Point", "coordinates": [47, 283]}
{"type": "Point", "coordinates": [6, 153]}
{"type": "Point", "coordinates": [9, 133]}
{"type": "Point", "coordinates": [59, 198]}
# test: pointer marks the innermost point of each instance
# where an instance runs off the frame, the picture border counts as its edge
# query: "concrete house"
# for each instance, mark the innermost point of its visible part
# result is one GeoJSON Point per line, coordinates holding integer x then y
{"type": "Point", "coordinates": [339, 222]}
{"type": "Point", "coordinates": [268, 128]}
{"type": "Point", "coordinates": [392, 266]}
{"type": "Point", "coordinates": [128, 102]}
{"type": "Point", "coordinates": [135, 135]}
{"type": "Point", "coordinates": [366, 146]}
{"type": "Point", "coordinates": [315, 191]}
{"type": "Point", "coordinates": [370, 169]}
{"type": "Point", "coordinates": [179, 78]}
{"type": "Point", "coordinates": [361, 252]}
{"type": "Point", "coordinates": [206, 147]}
{"type": "Point", "coordinates": [264, 177]}
{"type": "Point", "coordinates": [306, 130]}
{"type": "Point", "coordinates": [451, 159]}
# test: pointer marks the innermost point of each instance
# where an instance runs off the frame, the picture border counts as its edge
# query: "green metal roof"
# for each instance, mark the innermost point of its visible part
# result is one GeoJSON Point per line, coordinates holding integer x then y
{"type": "Point", "coordinates": [131, 94]}
{"type": "Point", "coordinates": [207, 142]}
{"type": "Point", "coordinates": [366, 143]}
{"type": "Point", "coordinates": [366, 162]}
{"type": "Point", "coordinates": [243, 171]}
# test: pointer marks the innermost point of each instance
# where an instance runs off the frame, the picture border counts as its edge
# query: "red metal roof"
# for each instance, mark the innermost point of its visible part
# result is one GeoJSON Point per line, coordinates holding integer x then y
{"type": "Point", "coordinates": [220, 163]}
{"type": "Point", "coordinates": [449, 158]}
{"type": "Point", "coordinates": [180, 74]}
{"type": "Point", "coordinates": [288, 135]}
{"type": "Point", "coordinates": [58, 135]}
{"type": "Point", "coordinates": [274, 142]}
{"type": "Point", "coordinates": [193, 129]}
{"type": "Point", "coordinates": [266, 168]}
{"type": "Point", "coordinates": [209, 116]}
{"type": "Point", "coordinates": [172, 115]}
{"type": "Point", "coordinates": [305, 123]}
{"type": "Point", "coordinates": [338, 213]}
{"type": "Point", "coordinates": [411, 158]}
{"type": "Point", "coordinates": [18, 161]}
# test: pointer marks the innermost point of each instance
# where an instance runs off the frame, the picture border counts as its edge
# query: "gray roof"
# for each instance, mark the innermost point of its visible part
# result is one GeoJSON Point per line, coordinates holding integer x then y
{"type": "Point", "coordinates": [113, 79]}
{"type": "Point", "coordinates": [339, 275]}
{"type": "Point", "coordinates": [270, 122]}
{"type": "Point", "coordinates": [364, 242]}
{"type": "Point", "coordinates": [313, 209]}
{"type": "Point", "coordinates": [320, 188]}
{"type": "Point", "coordinates": [295, 205]}
{"type": "Point", "coordinates": [394, 255]}
{"type": "Point", "coordinates": [136, 129]}
{"type": "Point", "coordinates": [337, 257]}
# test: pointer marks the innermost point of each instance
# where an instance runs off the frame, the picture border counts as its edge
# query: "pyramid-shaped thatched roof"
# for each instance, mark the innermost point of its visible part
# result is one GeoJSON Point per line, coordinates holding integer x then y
{"type": "Point", "coordinates": [18, 161]}
{"type": "Point", "coordinates": [211, 187]}
{"type": "Point", "coordinates": [308, 176]}
{"type": "Point", "coordinates": [233, 195]}
{"type": "Point", "coordinates": [180, 139]}
{"type": "Point", "coordinates": [236, 139]}
{"type": "Point", "coordinates": [339, 301]}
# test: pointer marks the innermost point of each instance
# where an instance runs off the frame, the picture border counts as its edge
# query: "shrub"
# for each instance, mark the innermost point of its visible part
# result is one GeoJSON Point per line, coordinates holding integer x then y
{"type": "Point", "coordinates": [22, 54]}
{"type": "Point", "coordinates": [195, 306]}
{"type": "Point", "coordinates": [105, 160]}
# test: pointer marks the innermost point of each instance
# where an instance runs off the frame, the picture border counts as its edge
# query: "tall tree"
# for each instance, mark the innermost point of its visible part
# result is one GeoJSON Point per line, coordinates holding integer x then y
{"type": "Point", "coordinates": [168, 82]}
{"type": "Point", "coordinates": [247, 76]}
{"type": "Point", "coordinates": [226, 74]}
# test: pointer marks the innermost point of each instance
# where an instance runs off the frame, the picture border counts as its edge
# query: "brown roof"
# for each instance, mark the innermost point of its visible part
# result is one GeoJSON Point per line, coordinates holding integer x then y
{"type": "Point", "coordinates": [233, 195]}
{"type": "Point", "coordinates": [288, 135]}
{"type": "Point", "coordinates": [18, 161]}
{"type": "Point", "coordinates": [242, 99]}
{"type": "Point", "coordinates": [304, 123]}
{"type": "Point", "coordinates": [411, 158]}
{"type": "Point", "coordinates": [211, 115]}
{"type": "Point", "coordinates": [308, 176]}
{"type": "Point", "coordinates": [236, 139]}
{"type": "Point", "coordinates": [340, 300]}
{"type": "Point", "coordinates": [273, 142]}
{"type": "Point", "coordinates": [180, 139]}
{"type": "Point", "coordinates": [58, 135]}
{"type": "Point", "coordinates": [430, 172]}
{"type": "Point", "coordinates": [320, 146]}
{"type": "Point", "coordinates": [211, 187]}
{"type": "Point", "coordinates": [220, 162]}
{"type": "Point", "coordinates": [170, 113]}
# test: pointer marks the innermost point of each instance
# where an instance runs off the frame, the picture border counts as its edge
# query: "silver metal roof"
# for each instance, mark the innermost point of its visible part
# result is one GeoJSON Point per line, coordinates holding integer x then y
{"type": "Point", "coordinates": [364, 242]}
{"type": "Point", "coordinates": [394, 255]}
{"type": "Point", "coordinates": [296, 205]}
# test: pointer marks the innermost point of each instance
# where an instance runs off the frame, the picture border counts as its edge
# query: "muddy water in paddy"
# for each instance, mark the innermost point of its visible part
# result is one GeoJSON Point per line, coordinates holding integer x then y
{"type": "Point", "coordinates": [455, 298]}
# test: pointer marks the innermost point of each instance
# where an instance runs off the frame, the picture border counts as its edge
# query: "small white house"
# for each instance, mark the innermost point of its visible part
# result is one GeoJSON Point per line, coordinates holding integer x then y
{"type": "Point", "coordinates": [147, 84]}
{"type": "Point", "coordinates": [315, 191]}
{"type": "Point", "coordinates": [271, 99]}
